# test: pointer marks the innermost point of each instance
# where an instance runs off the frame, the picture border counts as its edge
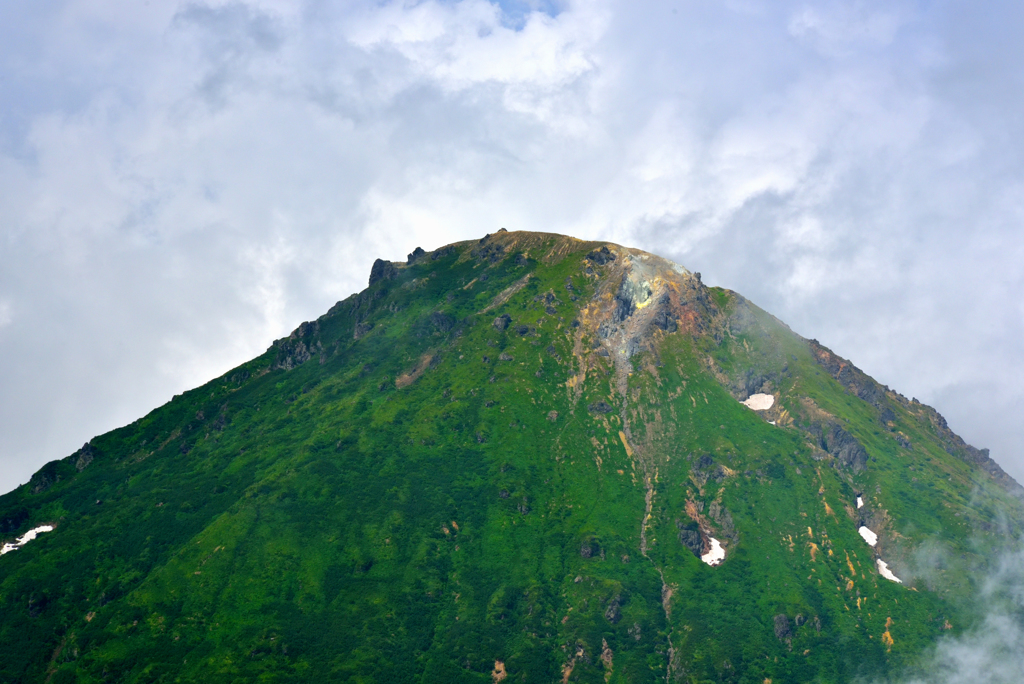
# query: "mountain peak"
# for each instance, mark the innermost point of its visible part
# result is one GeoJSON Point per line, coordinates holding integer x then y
{"type": "Point", "coordinates": [529, 456]}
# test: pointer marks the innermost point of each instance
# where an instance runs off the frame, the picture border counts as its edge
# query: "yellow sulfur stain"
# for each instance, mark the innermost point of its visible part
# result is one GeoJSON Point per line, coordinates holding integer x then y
{"type": "Point", "coordinates": [886, 636]}
{"type": "Point", "coordinates": [622, 436]}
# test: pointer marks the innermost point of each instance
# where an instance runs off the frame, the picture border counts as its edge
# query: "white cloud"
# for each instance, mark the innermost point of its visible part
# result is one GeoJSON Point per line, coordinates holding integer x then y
{"type": "Point", "coordinates": [989, 652]}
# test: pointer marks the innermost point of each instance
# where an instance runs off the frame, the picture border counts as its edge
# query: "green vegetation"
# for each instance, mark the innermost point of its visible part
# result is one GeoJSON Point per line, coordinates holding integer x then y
{"type": "Point", "coordinates": [413, 488]}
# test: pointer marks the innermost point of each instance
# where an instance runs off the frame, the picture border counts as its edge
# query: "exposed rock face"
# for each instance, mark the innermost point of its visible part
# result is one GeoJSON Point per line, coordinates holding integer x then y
{"type": "Point", "coordinates": [85, 456]}
{"type": "Point", "coordinates": [721, 515]}
{"type": "Point", "coordinates": [639, 296]}
{"type": "Point", "coordinates": [782, 629]}
{"type": "Point", "coordinates": [849, 376]}
{"type": "Point", "coordinates": [861, 385]}
{"type": "Point", "coordinates": [844, 447]}
{"type": "Point", "coordinates": [614, 611]}
{"type": "Point", "coordinates": [489, 253]}
{"type": "Point", "coordinates": [416, 254]}
{"type": "Point", "coordinates": [691, 539]}
{"type": "Point", "coordinates": [382, 270]}
{"type": "Point", "coordinates": [298, 347]}
{"type": "Point", "coordinates": [502, 322]}
{"type": "Point", "coordinates": [956, 446]}
{"type": "Point", "coordinates": [601, 256]}
{"type": "Point", "coordinates": [663, 317]}
{"type": "Point", "coordinates": [600, 407]}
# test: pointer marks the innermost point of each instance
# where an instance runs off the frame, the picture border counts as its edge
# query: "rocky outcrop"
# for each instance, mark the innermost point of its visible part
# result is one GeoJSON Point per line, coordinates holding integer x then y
{"type": "Point", "coordinates": [640, 296]}
{"type": "Point", "coordinates": [84, 456]}
{"type": "Point", "coordinates": [382, 270]}
{"type": "Point", "coordinates": [853, 379]}
{"type": "Point", "coordinates": [299, 347]}
{"type": "Point", "coordinates": [601, 256]}
{"type": "Point", "coordinates": [956, 446]}
{"type": "Point", "coordinates": [720, 514]}
{"type": "Point", "coordinates": [416, 254]}
{"type": "Point", "coordinates": [613, 613]}
{"type": "Point", "coordinates": [782, 628]}
{"type": "Point", "coordinates": [489, 252]}
{"type": "Point", "coordinates": [690, 537]}
{"type": "Point", "coordinates": [843, 446]}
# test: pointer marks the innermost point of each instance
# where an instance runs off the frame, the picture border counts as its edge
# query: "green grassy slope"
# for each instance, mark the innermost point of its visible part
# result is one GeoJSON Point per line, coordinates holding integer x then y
{"type": "Point", "coordinates": [414, 488]}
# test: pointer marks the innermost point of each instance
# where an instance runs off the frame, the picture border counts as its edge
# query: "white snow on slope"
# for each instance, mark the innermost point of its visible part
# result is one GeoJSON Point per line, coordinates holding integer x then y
{"type": "Point", "coordinates": [716, 555]}
{"type": "Point", "coordinates": [884, 571]}
{"type": "Point", "coordinates": [25, 539]}
{"type": "Point", "coordinates": [860, 502]}
{"type": "Point", "coordinates": [759, 402]}
{"type": "Point", "coordinates": [869, 536]}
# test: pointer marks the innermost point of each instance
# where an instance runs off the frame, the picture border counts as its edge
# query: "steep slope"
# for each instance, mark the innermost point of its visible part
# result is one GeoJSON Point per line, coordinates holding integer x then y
{"type": "Point", "coordinates": [504, 460]}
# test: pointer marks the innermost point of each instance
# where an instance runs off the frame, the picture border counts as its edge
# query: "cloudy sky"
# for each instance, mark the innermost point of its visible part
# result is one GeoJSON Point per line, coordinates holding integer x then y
{"type": "Point", "coordinates": [183, 182]}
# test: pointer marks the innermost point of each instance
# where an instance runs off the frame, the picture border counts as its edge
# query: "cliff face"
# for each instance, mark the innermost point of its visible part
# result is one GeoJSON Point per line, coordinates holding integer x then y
{"type": "Point", "coordinates": [527, 458]}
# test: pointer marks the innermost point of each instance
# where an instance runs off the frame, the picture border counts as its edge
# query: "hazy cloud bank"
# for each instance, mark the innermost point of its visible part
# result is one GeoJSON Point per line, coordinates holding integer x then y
{"type": "Point", "coordinates": [992, 651]}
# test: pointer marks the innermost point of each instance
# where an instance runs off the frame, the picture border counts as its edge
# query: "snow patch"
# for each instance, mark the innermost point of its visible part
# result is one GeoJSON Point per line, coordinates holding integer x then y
{"type": "Point", "coordinates": [860, 502]}
{"type": "Point", "coordinates": [884, 571]}
{"type": "Point", "coordinates": [25, 539]}
{"type": "Point", "coordinates": [759, 402]}
{"type": "Point", "coordinates": [870, 537]}
{"type": "Point", "coordinates": [716, 555]}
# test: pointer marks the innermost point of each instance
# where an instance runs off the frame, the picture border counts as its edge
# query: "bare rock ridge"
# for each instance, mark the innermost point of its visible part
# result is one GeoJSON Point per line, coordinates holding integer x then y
{"type": "Point", "coordinates": [880, 396]}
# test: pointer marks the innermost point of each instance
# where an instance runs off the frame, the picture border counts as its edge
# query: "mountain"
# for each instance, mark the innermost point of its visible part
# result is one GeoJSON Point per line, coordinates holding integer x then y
{"type": "Point", "coordinates": [527, 458]}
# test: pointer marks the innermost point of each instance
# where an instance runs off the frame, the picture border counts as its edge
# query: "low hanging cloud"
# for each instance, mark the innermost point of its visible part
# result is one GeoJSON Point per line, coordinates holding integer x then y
{"type": "Point", "coordinates": [183, 182]}
{"type": "Point", "coordinates": [990, 651]}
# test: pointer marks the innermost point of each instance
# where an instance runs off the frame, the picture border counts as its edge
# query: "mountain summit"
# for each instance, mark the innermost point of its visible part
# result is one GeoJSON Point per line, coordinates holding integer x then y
{"type": "Point", "coordinates": [527, 458]}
